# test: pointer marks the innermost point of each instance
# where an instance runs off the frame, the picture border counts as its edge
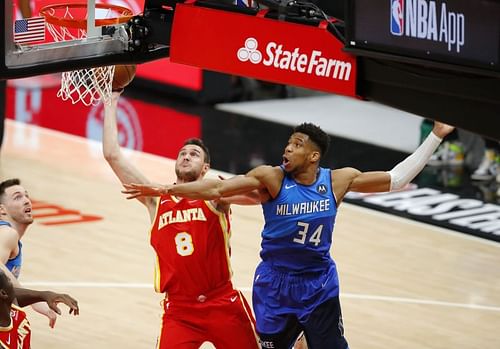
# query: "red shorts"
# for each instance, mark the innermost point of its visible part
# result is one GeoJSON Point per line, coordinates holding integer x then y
{"type": "Point", "coordinates": [222, 318]}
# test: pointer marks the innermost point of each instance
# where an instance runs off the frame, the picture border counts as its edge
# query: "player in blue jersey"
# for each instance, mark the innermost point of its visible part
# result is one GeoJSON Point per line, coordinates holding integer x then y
{"type": "Point", "coordinates": [296, 285]}
{"type": "Point", "coordinates": [15, 218]}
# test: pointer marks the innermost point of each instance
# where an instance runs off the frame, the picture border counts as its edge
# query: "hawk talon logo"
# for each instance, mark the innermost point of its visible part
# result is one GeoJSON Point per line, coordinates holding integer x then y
{"type": "Point", "coordinates": [250, 52]}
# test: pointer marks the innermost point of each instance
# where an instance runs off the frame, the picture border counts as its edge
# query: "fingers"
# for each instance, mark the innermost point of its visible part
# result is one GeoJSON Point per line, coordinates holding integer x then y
{"type": "Point", "coordinates": [53, 306]}
{"type": "Point", "coordinates": [66, 299]}
{"type": "Point", "coordinates": [132, 190]}
{"type": "Point", "coordinates": [74, 311]}
{"type": "Point", "coordinates": [131, 185]}
{"type": "Point", "coordinates": [52, 319]}
{"type": "Point", "coordinates": [131, 194]}
{"type": "Point", "coordinates": [71, 303]}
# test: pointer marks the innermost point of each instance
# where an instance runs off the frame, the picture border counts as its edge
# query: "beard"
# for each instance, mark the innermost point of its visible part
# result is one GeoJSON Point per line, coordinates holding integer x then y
{"type": "Point", "coordinates": [187, 176]}
{"type": "Point", "coordinates": [25, 220]}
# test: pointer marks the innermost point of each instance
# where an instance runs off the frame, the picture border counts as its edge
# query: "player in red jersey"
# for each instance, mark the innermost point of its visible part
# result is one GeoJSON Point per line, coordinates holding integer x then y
{"type": "Point", "coordinates": [15, 331]}
{"type": "Point", "coordinates": [191, 241]}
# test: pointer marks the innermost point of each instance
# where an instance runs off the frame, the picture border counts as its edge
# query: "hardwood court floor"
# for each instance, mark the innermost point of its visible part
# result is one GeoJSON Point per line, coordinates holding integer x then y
{"type": "Point", "coordinates": [404, 285]}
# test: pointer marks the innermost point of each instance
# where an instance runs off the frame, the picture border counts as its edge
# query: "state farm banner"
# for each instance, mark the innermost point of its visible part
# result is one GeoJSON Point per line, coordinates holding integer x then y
{"type": "Point", "coordinates": [262, 48]}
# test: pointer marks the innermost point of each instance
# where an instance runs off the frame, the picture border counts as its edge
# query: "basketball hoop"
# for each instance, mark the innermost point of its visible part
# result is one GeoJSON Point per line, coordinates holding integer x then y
{"type": "Point", "coordinates": [66, 22]}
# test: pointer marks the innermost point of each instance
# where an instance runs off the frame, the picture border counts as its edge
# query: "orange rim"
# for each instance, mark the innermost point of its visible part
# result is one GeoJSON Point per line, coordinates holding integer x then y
{"type": "Point", "coordinates": [125, 15]}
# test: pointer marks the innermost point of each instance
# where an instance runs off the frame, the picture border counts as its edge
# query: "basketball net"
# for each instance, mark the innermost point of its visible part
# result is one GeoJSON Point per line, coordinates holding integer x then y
{"type": "Point", "coordinates": [88, 86]}
{"type": "Point", "coordinates": [66, 22]}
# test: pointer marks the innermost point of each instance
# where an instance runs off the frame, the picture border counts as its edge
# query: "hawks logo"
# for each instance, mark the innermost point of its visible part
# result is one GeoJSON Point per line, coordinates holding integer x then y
{"type": "Point", "coordinates": [130, 133]}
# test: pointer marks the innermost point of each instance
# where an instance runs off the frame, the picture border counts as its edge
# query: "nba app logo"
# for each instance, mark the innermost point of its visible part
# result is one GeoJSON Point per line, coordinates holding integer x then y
{"type": "Point", "coordinates": [397, 18]}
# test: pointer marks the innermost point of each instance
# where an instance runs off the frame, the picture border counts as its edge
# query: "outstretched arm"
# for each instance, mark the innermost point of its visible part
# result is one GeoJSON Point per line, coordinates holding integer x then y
{"type": "Point", "coordinates": [253, 197]}
{"type": "Point", "coordinates": [27, 297]}
{"type": "Point", "coordinates": [8, 242]}
{"type": "Point", "coordinates": [400, 175]}
{"type": "Point", "coordinates": [124, 170]}
{"type": "Point", "coordinates": [207, 189]}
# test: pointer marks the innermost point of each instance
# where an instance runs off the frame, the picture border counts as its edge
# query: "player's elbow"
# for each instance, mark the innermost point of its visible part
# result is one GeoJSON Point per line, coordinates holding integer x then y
{"type": "Point", "coordinates": [397, 180]}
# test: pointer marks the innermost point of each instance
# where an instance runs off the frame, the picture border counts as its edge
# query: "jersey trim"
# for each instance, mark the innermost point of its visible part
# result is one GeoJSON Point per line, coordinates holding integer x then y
{"type": "Point", "coordinates": [333, 190]}
{"type": "Point", "coordinates": [7, 328]}
{"type": "Point", "coordinates": [226, 230]}
{"type": "Point", "coordinates": [223, 221]}
{"type": "Point", "coordinates": [156, 275]}
{"type": "Point", "coordinates": [212, 207]}
{"type": "Point", "coordinates": [249, 315]}
{"type": "Point", "coordinates": [175, 199]}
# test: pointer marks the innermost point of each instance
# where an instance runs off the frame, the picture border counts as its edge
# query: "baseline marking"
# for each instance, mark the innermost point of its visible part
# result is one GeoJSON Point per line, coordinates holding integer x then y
{"type": "Point", "coordinates": [249, 289]}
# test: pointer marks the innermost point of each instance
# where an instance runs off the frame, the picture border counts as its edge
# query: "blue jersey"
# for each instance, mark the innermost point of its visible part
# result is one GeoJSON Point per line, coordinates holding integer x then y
{"type": "Point", "coordinates": [14, 264]}
{"type": "Point", "coordinates": [299, 225]}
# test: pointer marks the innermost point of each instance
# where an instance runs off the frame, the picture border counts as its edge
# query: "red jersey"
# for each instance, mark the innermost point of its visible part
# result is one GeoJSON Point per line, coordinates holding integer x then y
{"type": "Point", "coordinates": [18, 334]}
{"type": "Point", "coordinates": [191, 240]}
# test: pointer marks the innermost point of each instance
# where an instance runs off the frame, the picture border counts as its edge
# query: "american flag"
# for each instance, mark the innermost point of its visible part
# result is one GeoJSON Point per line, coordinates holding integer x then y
{"type": "Point", "coordinates": [29, 29]}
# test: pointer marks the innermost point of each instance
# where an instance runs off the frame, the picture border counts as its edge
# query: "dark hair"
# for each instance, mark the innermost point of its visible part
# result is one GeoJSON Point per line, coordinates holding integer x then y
{"type": "Point", "coordinates": [7, 184]}
{"type": "Point", "coordinates": [199, 143]}
{"type": "Point", "coordinates": [316, 135]}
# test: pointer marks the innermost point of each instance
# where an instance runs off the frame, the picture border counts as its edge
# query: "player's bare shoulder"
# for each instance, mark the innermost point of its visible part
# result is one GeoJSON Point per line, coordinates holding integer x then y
{"type": "Point", "coordinates": [263, 170]}
{"type": "Point", "coordinates": [267, 174]}
{"type": "Point", "coordinates": [270, 177]}
{"type": "Point", "coordinates": [8, 236]}
{"type": "Point", "coordinates": [345, 173]}
{"type": "Point", "coordinates": [7, 229]}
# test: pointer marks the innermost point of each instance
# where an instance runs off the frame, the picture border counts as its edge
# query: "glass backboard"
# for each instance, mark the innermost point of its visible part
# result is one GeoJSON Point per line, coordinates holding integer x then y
{"type": "Point", "coordinates": [41, 36]}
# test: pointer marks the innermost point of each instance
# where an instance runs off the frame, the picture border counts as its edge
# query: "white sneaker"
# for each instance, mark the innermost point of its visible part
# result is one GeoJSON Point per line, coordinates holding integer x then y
{"type": "Point", "coordinates": [488, 167]}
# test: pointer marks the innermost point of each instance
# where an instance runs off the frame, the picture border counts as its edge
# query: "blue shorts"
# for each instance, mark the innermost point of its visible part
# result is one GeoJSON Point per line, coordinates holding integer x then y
{"type": "Point", "coordinates": [286, 304]}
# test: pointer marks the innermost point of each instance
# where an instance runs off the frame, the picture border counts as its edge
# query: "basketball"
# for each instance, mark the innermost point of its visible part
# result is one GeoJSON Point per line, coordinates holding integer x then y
{"type": "Point", "coordinates": [124, 74]}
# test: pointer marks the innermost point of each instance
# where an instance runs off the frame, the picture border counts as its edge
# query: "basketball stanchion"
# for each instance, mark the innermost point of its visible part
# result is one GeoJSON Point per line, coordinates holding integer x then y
{"type": "Point", "coordinates": [67, 22]}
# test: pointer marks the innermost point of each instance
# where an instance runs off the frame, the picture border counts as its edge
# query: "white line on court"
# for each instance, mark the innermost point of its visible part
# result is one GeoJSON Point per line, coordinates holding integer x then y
{"type": "Point", "coordinates": [50, 284]}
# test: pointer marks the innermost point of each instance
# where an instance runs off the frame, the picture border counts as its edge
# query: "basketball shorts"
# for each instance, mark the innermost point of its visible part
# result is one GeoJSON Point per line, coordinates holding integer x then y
{"type": "Point", "coordinates": [224, 320]}
{"type": "Point", "coordinates": [286, 304]}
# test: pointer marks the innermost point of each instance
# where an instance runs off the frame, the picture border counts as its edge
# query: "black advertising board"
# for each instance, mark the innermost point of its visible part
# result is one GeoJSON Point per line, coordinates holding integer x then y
{"type": "Point", "coordinates": [459, 33]}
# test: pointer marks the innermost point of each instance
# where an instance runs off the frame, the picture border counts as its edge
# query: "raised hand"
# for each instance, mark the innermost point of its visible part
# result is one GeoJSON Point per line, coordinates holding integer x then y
{"type": "Point", "coordinates": [441, 129]}
{"type": "Point", "coordinates": [53, 299]}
